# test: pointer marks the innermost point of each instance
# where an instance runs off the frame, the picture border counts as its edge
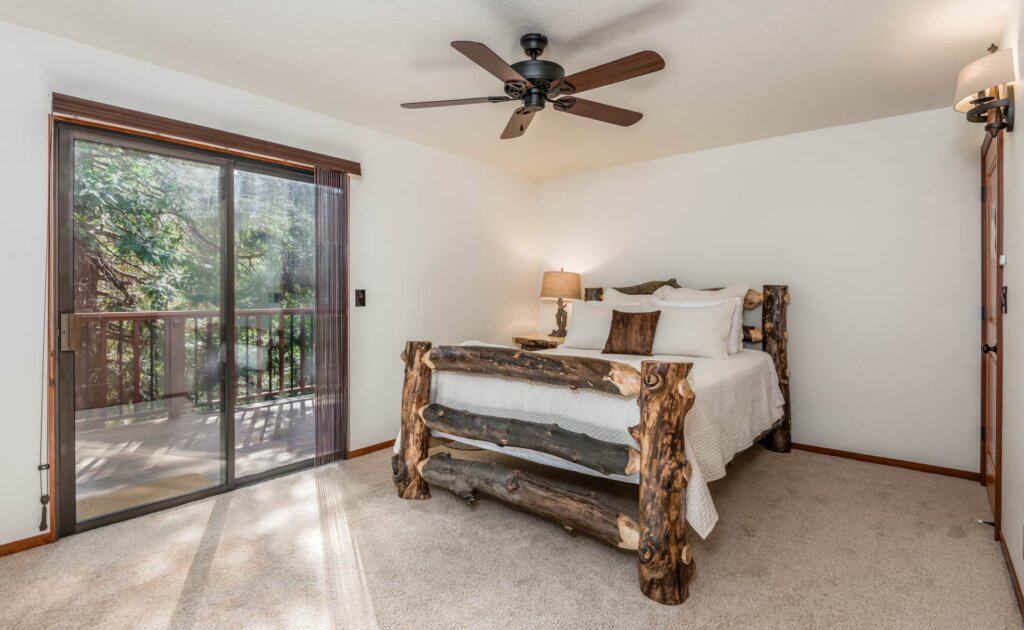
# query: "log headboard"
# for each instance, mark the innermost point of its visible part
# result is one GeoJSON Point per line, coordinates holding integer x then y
{"type": "Point", "coordinates": [773, 334]}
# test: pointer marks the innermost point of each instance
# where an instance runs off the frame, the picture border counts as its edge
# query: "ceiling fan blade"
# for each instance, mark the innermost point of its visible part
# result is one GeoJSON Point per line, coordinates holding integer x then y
{"type": "Point", "coordinates": [597, 111]}
{"type": "Point", "coordinates": [629, 67]}
{"type": "Point", "coordinates": [457, 101]}
{"type": "Point", "coordinates": [518, 123]}
{"type": "Point", "coordinates": [487, 59]}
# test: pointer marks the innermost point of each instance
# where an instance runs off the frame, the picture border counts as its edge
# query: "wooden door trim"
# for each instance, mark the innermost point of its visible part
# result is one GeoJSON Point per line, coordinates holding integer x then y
{"type": "Point", "coordinates": [92, 113]}
{"type": "Point", "coordinates": [992, 144]}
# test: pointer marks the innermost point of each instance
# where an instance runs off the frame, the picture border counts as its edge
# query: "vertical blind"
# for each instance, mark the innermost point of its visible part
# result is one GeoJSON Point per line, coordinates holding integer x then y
{"type": "Point", "coordinates": [329, 347]}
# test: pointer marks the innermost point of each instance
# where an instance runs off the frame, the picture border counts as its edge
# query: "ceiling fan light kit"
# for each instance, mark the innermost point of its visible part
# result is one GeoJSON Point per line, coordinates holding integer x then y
{"type": "Point", "coordinates": [536, 82]}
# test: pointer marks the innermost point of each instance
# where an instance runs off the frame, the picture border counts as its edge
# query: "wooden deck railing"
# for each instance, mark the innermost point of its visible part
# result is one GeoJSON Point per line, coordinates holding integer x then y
{"type": "Point", "coordinates": [175, 356]}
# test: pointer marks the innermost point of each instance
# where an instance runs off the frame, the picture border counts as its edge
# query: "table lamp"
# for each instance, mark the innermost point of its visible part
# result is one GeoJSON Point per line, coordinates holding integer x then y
{"type": "Point", "coordinates": [560, 285]}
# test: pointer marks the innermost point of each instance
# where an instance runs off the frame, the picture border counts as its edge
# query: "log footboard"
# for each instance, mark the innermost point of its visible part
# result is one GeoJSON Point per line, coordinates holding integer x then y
{"type": "Point", "coordinates": [609, 458]}
{"type": "Point", "coordinates": [665, 564]}
{"type": "Point", "coordinates": [572, 510]}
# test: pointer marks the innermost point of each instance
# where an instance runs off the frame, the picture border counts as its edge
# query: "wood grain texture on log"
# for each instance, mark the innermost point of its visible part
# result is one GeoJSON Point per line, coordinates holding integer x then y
{"type": "Point", "coordinates": [775, 343]}
{"type": "Point", "coordinates": [415, 436]}
{"type": "Point", "coordinates": [574, 511]}
{"type": "Point", "coordinates": [649, 287]}
{"type": "Point", "coordinates": [752, 299]}
{"type": "Point", "coordinates": [605, 457]}
{"type": "Point", "coordinates": [752, 334]}
{"type": "Point", "coordinates": [665, 565]}
{"type": "Point", "coordinates": [610, 377]}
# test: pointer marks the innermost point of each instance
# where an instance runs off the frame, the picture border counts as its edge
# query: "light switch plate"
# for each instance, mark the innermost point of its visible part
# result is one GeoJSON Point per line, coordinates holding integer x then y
{"type": "Point", "coordinates": [360, 297]}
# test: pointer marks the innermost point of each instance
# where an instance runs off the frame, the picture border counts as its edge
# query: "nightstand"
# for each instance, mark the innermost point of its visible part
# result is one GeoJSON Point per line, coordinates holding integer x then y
{"type": "Point", "coordinates": [537, 342]}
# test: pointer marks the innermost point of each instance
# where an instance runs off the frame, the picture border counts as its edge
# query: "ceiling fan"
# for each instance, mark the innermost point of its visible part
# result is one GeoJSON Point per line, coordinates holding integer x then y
{"type": "Point", "coordinates": [537, 81]}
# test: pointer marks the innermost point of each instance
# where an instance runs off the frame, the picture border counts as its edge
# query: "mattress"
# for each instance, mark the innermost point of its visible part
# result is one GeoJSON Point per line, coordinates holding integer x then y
{"type": "Point", "coordinates": [736, 400]}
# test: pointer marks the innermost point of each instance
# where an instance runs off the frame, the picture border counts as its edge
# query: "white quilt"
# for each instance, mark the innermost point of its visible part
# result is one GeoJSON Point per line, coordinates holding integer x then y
{"type": "Point", "coordinates": [736, 399]}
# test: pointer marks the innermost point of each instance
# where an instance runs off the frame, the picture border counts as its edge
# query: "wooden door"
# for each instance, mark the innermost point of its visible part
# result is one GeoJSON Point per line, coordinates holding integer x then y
{"type": "Point", "coordinates": [993, 305]}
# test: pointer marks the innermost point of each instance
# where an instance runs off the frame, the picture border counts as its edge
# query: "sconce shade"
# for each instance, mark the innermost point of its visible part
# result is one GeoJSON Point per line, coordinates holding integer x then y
{"type": "Point", "coordinates": [978, 76]}
{"type": "Point", "coordinates": [561, 284]}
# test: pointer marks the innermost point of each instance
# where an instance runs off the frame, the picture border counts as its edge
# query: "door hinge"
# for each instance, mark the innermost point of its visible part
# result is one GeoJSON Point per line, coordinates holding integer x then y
{"type": "Point", "coordinates": [983, 433]}
{"type": "Point", "coordinates": [1003, 300]}
{"type": "Point", "coordinates": [983, 312]}
{"type": "Point", "coordinates": [982, 194]}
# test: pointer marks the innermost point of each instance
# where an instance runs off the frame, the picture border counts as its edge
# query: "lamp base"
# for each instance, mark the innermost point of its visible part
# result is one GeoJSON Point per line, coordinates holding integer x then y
{"type": "Point", "coordinates": [561, 319]}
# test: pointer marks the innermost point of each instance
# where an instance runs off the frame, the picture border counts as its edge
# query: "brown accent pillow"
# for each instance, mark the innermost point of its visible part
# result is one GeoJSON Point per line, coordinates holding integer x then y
{"type": "Point", "coordinates": [632, 333]}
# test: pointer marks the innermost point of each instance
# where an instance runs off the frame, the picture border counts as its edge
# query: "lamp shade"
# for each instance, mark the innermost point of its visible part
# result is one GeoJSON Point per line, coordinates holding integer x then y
{"type": "Point", "coordinates": [978, 76]}
{"type": "Point", "coordinates": [561, 284]}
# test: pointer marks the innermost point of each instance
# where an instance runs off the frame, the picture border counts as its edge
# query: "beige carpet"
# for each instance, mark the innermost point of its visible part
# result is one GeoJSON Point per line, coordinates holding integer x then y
{"type": "Point", "coordinates": [804, 541]}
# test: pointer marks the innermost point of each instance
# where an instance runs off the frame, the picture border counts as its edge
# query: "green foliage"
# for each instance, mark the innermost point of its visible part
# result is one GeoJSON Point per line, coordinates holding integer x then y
{"type": "Point", "coordinates": [148, 234]}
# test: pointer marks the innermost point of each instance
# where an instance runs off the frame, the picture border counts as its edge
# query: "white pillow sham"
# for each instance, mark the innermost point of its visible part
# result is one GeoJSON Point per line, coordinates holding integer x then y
{"type": "Point", "coordinates": [736, 322]}
{"type": "Point", "coordinates": [695, 331]}
{"type": "Point", "coordinates": [700, 296]}
{"type": "Point", "coordinates": [590, 323]}
{"type": "Point", "coordinates": [613, 297]}
{"type": "Point", "coordinates": [669, 294]}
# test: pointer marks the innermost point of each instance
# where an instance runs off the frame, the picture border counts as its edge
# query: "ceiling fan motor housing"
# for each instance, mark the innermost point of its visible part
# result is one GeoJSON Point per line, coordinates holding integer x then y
{"type": "Point", "coordinates": [539, 72]}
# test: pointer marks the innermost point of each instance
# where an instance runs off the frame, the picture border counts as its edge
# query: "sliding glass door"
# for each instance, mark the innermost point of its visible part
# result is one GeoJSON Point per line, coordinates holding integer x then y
{"type": "Point", "coordinates": [186, 287]}
{"type": "Point", "coordinates": [275, 299]}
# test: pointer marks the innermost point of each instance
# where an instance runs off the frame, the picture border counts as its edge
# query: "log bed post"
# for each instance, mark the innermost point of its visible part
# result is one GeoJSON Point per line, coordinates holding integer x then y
{"type": "Point", "coordinates": [665, 564]}
{"type": "Point", "coordinates": [775, 342]}
{"type": "Point", "coordinates": [415, 436]}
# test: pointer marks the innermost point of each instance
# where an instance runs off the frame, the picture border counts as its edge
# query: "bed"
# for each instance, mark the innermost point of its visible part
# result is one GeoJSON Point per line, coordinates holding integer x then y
{"type": "Point", "coordinates": [667, 423]}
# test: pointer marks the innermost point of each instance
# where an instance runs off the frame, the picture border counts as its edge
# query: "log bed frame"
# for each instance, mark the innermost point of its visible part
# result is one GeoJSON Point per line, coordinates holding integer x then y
{"type": "Point", "coordinates": [664, 395]}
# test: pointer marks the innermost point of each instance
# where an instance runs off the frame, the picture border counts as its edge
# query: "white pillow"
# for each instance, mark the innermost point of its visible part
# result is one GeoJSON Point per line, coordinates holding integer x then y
{"type": "Point", "coordinates": [694, 331]}
{"type": "Point", "coordinates": [669, 294]}
{"type": "Point", "coordinates": [736, 322]}
{"type": "Point", "coordinates": [613, 297]}
{"type": "Point", "coordinates": [716, 296]}
{"type": "Point", "coordinates": [590, 323]}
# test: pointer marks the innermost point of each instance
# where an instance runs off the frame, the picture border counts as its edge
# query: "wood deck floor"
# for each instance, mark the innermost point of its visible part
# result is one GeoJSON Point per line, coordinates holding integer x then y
{"type": "Point", "coordinates": [125, 460]}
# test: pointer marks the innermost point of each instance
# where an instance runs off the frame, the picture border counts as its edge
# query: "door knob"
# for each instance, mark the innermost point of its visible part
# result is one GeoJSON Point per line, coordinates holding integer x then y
{"type": "Point", "coordinates": [987, 348]}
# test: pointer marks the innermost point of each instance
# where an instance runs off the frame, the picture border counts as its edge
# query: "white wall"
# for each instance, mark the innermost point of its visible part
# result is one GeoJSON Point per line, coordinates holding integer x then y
{"type": "Point", "coordinates": [441, 243]}
{"type": "Point", "coordinates": [873, 226]}
{"type": "Point", "coordinates": [1013, 321]}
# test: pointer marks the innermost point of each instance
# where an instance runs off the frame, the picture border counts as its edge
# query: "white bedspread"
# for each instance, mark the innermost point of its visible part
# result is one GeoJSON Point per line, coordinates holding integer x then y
{"type": "Point", "coordinates": [736, 399]}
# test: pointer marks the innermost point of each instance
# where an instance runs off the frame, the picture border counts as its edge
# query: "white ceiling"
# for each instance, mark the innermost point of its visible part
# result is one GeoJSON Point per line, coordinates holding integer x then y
{"type": "Point", "coordinates": [736, 70]}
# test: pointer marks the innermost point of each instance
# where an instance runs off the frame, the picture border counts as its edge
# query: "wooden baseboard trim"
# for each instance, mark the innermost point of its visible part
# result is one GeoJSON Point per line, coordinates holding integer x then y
{"type": "Point", "coordinates": [373, 448]}
{"type": "Point", "coordinates": [887, 461]}
{"type": "Point", "coordinates": [1013, 575]}
{"type": "Point", "coordinates": [15, 546]}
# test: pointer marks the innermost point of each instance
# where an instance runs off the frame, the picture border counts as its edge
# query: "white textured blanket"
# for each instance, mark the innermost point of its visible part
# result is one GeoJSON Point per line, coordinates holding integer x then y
{"type": "Point", "coordinates": [736, 399]}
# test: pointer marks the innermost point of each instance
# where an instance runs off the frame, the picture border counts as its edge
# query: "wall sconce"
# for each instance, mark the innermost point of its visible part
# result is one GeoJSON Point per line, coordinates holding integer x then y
{"type": "Point", "coordinates": [993, 71]}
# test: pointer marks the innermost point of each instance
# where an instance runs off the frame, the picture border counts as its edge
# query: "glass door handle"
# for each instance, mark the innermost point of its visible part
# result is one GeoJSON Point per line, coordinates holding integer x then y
{"type": "Point", "coordinates": [68, 332]}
